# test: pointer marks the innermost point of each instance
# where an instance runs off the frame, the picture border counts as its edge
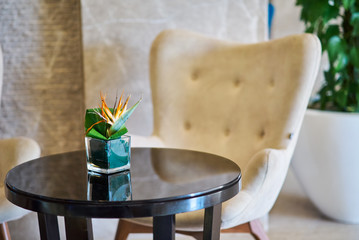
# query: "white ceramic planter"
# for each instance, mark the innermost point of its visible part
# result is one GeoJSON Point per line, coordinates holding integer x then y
{"type": "Point", "coordinates": [326, 162]}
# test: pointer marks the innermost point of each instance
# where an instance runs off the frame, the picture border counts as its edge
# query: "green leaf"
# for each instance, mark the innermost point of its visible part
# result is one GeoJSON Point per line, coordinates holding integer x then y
{"type": "Point", "coordinates": [95, 134]}
{"type": "Point", "coordinates": [357, 101]}
{"type": "Point", "coordinates": [354, 21]}
{"type": "Point", "coordinates": [332, 30]}
{"type": "Point", "coordinates": [121, 121]}
{"type": "Point", "coordinates": [91, 118]}
{"type": "Point", "coordinates": [350, 109]}
{"type": "Point", "coordinates": [354, 56]}
{"type": "Point", "coordinates": [348, 4]}
{"type": "Point", "coordinates": [331, 12]}
{"type": "Point", "coordinates": [335, 46]}
{"type": "Point", "coordinates": [329, 78]}
{"type": "Point", "coordinates": [341, 98]}
{"type": "Point", "coordinates": [341, 62]}
{"type": "Point", "coordinates": [309, 28]}
{"type": "Point", "coordinates": [323, 97]}
{"type": "Point", "coordinates": [312, 10]}
{"type": "Point", "coordinates": [119, 133]}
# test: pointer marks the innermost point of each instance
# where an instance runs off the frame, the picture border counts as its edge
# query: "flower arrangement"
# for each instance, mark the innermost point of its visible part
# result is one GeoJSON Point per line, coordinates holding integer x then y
{"type": "Point", "coordinates": [108, 123]}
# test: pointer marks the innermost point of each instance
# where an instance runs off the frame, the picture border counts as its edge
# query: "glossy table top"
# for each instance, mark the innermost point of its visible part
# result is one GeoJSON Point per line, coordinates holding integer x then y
{"type": "Point", "coordinates": [184, 180]}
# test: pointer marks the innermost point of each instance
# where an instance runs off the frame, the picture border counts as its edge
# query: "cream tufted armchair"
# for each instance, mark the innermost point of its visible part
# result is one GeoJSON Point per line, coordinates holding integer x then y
{"type": "Point", "coordinates": [244, 102]}
{"type": "Point", "coordinates": [13, 151]}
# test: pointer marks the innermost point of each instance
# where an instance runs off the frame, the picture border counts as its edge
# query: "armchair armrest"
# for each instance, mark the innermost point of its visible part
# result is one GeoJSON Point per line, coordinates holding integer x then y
{"type": "Point", "coordinates": [263, 176]}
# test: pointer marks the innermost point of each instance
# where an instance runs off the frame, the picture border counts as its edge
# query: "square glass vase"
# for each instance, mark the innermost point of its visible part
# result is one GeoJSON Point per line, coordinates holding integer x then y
{"type": "Point", "coordinates": [108, 156]}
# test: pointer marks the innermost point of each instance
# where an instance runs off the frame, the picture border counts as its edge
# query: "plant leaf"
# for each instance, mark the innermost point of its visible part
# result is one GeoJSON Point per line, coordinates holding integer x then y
{"type": "Point", "coordinates": [323, 97]}
{"type": "Point", "coordinates": [332, 30]}
{"type": "Point", "coordinates": [341, 62]}
{"type": "Point", "coordinates": [95, 134]}
{"type": "Point", "coordinates": [354, 56]}
{"type": "Point", "coordinates": [119, 133]}
{"type": "Point", "coordinates": [335, 46]}
{"type": "Point", "coordinates": [121, 121]}
{"type": "Point", "coordinates": [318, 9]}
{"type": "Point", "coordinates": [341, 98]}
{"type": "Point", "coordinates": [330, 12]}
{"type": "Point", "coordinates": [348, 4]}
{"type": "Point", "coordinates": [91, 117]}
{"type": "Point", "coordinates": [354, 21]}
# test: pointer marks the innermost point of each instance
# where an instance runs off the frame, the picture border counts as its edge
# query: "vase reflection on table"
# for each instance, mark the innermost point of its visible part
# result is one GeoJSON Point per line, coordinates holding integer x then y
{"type": "Point", "coordinates": [110, 187]}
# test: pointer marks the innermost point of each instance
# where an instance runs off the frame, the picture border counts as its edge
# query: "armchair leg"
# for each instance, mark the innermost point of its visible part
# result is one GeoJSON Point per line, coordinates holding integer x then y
{"type": "Point", "coordinates": [254, 228]}
{"type": "Point", "coordinates": [4, 231]}
{"type": "Point", "coordinates": [257, 230]}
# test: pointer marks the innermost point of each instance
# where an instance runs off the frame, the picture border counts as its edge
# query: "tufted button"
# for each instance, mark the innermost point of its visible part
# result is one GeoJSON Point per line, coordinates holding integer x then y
{"type": "Point", "coordinates": [262, 133]}
{"type": "Point", "coordinates": [237, 82]}
{"type": "Point", "coordinates": [227, 131]}
{"type": "Point", "coordinates": [290, 135]}
{"type": "Point", "coordinates": [272, 82]}
{"type": "Point", "coordinates": [195, 75]}
{"type": "Point", "coordinates": [187, 125]}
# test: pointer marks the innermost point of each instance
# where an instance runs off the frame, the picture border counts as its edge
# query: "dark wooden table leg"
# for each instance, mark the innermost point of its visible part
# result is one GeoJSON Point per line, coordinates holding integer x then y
{"type": "Point", "coordinates": [212, 223]}
{"type": "Point", "coordinates": [78, 228]}
{"type": "Point", "coordinates": [49, 228]}
{"type": "Point", "coordinates": [164, 227]}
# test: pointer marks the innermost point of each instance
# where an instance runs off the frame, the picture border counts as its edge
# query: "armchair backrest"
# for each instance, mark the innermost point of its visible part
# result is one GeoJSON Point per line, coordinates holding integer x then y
{"type": "Point", "coordinates": [231, 99]}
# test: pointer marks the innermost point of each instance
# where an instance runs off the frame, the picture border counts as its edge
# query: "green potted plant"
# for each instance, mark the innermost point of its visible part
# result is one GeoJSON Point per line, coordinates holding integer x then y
{"type": "Point", "coordinates": [108, 149]}
{"type": "Point", "coordinates": [326, 159]}
{"type": "Point", "coordinates": [336, 23]}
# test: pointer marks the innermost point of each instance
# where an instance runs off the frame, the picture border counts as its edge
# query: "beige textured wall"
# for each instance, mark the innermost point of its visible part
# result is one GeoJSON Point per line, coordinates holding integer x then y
{"type": "Point", "coordinates": [42, 95]}
{"type": "Point", "coordinates": [118, 34]}
{"type": "Point", "coordinates": [286, 20]}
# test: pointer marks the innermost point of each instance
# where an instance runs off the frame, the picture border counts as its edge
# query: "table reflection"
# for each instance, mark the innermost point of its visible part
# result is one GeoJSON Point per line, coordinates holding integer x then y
{"type": "Point", "coordinates": [109, 187]}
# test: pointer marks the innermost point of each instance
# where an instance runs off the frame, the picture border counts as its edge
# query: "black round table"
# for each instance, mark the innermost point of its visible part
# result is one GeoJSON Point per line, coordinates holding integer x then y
{"type": "Point", "coordinates": [161, 183]}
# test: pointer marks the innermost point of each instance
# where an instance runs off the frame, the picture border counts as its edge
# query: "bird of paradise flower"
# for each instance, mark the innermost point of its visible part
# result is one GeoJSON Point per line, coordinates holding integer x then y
{"type": "Point", "coordinates": [108, 123]}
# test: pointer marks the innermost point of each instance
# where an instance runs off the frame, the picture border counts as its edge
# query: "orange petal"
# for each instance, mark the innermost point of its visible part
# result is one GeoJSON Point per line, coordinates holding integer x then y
{"type": "Point", "coordinates": [106, 110]}
{"type": "Point", "coordinates": [108, 113]}
{"type": "Point", "coordinates": [94, 125]}
{"type": "Point", "coordinates": [124, 107]}
{"type": "Point", "coordinates": [117, 113]}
